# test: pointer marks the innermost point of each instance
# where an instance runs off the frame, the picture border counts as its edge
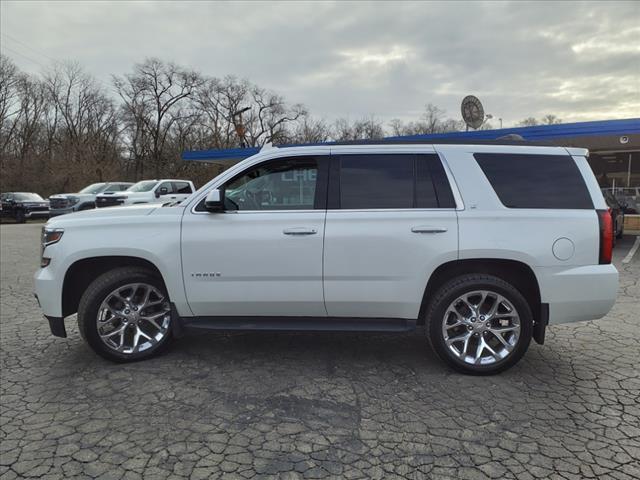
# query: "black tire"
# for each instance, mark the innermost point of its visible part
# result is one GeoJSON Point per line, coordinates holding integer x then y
{"type": "Point", "coordinates": [20, 218]}
{"type": "Point", "coordinates": [93, 297]}
{"type": "Point", "coordinates": [468, 283]}
{"type": "Point", "coordinates": [87, 206]}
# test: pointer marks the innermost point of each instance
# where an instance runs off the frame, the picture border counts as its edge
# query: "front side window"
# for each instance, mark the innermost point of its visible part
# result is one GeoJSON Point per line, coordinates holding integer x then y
{"type": "Point", "coordinates": [143, 186]}
{"type": "Point", "coordinates": [165, 188]}
{"type": "Point", "coordinates": [277, 185]}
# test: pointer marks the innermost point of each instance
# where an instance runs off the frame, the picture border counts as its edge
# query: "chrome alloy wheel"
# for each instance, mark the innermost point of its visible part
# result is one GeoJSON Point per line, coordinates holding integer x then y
{"type": "Point", "coordinates": [133, 318]}
{"type": "Point", "coordinates": [481, 327]}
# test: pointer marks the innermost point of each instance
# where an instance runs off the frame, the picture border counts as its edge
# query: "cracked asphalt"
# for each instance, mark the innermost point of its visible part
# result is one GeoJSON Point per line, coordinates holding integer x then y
{"type": "Point", "coordinates": [313, 405]}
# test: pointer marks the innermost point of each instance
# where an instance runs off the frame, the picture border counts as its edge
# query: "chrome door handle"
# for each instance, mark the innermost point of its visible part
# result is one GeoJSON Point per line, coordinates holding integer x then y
{"type": "Point", "coordinates": [428, 229]}
{"type": "Point", "coordinates": [299, 231]}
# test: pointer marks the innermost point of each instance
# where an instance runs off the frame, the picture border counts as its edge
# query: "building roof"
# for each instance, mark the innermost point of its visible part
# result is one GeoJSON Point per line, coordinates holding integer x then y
{"type": "Point", "coordinates": [569, 133]}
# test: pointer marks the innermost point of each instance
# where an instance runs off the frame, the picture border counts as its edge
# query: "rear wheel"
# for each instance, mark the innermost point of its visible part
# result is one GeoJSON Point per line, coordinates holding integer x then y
{"type": "Point", "coordinates": [479, 324]}
{"type": "Point", "coordinates": [125, 315]}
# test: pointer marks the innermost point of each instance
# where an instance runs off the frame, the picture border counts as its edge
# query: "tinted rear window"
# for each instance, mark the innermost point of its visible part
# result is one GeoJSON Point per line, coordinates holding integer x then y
{"type": "Point", "coordinates": [535, 181]}
{"type": "Point", "coordinates": [376, 181]}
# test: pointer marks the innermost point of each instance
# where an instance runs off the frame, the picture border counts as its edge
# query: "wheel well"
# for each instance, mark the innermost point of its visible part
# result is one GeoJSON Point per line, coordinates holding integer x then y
{"type": "Point", "coordinates": [83, 272]}
{"type": "Point", "coordinates": [516, 273]}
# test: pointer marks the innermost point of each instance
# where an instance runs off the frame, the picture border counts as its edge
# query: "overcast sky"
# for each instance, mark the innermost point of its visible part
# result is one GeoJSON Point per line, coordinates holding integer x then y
{"type": "Point", "coordinates": [579, 61]}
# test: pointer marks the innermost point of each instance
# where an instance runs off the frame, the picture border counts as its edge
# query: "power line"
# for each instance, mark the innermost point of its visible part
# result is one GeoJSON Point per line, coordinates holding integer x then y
{"type": "Point", "coordinates": [4, 47]}
{"type": "Point", "coordinates": [12, 38]}
{"type": "Point", "coordinates": [105, 84]}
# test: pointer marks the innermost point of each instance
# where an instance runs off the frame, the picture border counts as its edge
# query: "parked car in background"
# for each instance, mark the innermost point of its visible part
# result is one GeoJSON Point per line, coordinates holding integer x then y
{"type": "Point", "coordinates": [148, 191]}
{"type": "Point", "coordinates": [484, 245]}
{"type": "Point", "coordinates": [617, 212]}
{"type": "Point", "coordinates": [629, 198]}
{"type": "Point", "coordinates": [23, 205]}
{"type": "Point", "coordinates": [85, 199]}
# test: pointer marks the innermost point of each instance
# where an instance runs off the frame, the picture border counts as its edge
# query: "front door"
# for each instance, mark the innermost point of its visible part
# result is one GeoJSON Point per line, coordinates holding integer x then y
{"type": "Point", "coordinates": [263, 255]}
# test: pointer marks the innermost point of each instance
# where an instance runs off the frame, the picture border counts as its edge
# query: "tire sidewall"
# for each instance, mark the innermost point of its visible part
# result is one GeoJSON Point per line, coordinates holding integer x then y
{"type": "Point", "coordinates": [90, 305]}
{"type": "Point", "coordinates": [437, 314]}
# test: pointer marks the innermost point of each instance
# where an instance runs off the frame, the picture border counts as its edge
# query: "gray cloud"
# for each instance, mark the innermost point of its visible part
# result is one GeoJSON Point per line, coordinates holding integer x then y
{"type": "Point", "coordinates": [580, 61]}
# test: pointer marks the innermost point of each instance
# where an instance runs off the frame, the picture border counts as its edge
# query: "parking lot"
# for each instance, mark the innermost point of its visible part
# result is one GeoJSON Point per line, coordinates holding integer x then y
{"type": "Point", "coordinates": [255, 405]}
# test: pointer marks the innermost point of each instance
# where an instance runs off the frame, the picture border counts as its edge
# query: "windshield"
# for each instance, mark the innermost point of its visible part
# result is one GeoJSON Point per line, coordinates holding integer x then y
{"type": "Point", "coordinates": [28, 197]}
{"type": "Point", "coordinates": [143, 186]}
{"type": "Point", "coordinates": [94, 188]}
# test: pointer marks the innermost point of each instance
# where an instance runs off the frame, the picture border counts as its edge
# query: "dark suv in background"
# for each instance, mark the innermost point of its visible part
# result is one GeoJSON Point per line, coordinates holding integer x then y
{"type": "Point", "coordinates": [23, 205]}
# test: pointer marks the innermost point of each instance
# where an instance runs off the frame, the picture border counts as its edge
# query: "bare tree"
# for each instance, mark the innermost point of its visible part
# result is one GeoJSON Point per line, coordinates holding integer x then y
{"type": "Point", "coordinates": [153, 97]}
{"type": "Point", "coordinates": [363, 129]}
{"type": "Point", "coordinates": [550, 120]}
{"type": "Point", "coordinates": [311, 130]}
{"type": "Point", "coordinates": [81, 127]}
{"type": "Point", "coordinates": [528, 122]}
{"type": "Point", "coordinates": [546, 120]}
{"type": "Point", "coordinates": [431, 121]}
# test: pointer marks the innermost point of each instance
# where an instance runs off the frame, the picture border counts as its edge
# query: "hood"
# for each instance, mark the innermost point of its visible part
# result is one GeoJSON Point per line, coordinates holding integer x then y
{"type": "Point", "coordinates": [106, 214]}
{"type": "Point", "coordinates": [67, 195]}
{"type": "Point", "coordinates": [125, 193]}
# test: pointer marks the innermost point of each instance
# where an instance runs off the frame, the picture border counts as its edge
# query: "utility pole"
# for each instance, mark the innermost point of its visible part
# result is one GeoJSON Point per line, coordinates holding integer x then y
{"type": "Point", "coordinates": [239, 126]}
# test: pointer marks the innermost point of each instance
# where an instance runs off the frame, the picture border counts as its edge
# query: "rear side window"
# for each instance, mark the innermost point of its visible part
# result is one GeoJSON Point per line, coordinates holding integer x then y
{"type": "Point", "coordinates": [393, 181]}
{"type": "Point", "coordinates": [376, 181]}
{"type": "Point", "coordinates": [182, 187]}
{"type": "Point", "coordinates": [535, 181]}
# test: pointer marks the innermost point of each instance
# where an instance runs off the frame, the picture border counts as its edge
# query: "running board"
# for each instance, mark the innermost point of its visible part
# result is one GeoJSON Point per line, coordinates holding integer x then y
{"type": "Point", "coordinates": [300, 324]}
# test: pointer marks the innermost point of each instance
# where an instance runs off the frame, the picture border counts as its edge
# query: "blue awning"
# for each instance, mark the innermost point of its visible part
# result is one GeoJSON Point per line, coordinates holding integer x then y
{"type": "Point", "coordinates": [538, 132]}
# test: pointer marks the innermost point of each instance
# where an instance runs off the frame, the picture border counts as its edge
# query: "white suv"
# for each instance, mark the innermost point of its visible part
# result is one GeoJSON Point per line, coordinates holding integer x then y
{"type": "Point", "coordinates": [148, 191]}
{"type": "Point", "coordinates": [483, 244]}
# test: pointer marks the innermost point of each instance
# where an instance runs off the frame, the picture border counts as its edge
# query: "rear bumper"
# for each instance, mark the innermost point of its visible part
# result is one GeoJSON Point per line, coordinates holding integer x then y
{"type": "Point", "coordinates": [578, 293]}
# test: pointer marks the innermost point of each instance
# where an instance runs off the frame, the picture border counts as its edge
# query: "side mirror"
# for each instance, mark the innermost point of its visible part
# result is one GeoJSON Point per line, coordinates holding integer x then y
{"type": "Point", "coordinates": [214, 201]}
{"type": "Point", "coordinates": [161, 191]}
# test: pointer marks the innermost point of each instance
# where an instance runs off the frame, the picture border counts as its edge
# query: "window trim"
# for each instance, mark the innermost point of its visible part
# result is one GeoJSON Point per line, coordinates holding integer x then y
{"type": "Point", "coordinates": [320, 199]}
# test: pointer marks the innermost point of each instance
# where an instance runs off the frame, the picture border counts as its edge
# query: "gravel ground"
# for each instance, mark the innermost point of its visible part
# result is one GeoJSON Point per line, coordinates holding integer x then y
{"type": "Point", "coordinates": [313, 405]}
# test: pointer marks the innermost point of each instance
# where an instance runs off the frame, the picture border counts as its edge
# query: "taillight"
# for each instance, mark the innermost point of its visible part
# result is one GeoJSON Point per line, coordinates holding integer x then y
{"type": "Point", "coordinates": [606, 236]}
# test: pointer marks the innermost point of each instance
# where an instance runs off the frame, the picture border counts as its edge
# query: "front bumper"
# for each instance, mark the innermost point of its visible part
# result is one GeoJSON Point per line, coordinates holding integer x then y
{"type": "Point", "coordinates": [48, 291]}
{"type": "Point", "coordinates": [578, 293]}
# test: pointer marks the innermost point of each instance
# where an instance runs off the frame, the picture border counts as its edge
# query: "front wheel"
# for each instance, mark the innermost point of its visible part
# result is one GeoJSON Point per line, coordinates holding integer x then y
{"type": "Point", "coordinates": [479, 324]}
{"type": "Point", "coordinates": [20, 216]}
{"type": "Point", "coordinates": [125, 315]}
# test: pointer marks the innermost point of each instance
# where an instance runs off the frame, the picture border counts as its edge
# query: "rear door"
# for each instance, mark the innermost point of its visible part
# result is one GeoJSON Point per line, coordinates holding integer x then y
{"type": "Point", "coordinates": [391, 220]}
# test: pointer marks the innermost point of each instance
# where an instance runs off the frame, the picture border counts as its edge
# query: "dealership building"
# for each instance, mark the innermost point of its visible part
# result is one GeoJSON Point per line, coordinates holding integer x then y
{"type": "Point", "coordinates": [614, 146]}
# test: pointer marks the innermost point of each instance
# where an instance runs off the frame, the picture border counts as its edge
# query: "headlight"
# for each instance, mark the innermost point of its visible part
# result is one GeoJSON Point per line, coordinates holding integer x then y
{"type": "Point", "coordinates": [49, 237]}
{"type": "Point", "coordinates": [73, 200]}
